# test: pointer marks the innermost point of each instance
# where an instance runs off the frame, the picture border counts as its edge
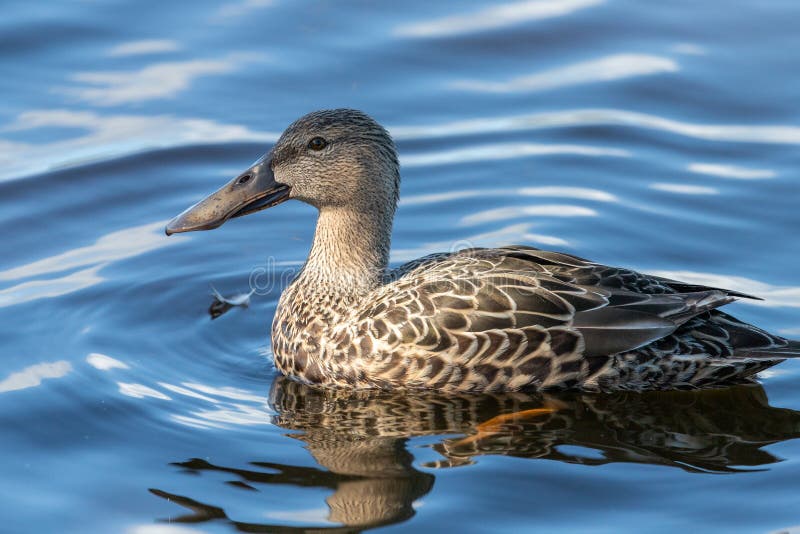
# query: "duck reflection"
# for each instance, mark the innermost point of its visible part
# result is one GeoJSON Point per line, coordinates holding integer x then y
{"type": "Point", "coordinates": [359, 440]}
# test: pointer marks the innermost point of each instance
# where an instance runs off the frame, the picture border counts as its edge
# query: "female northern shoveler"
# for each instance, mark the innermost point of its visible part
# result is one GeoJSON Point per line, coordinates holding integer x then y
{"type": "Point", "coordinates": [496, 319]}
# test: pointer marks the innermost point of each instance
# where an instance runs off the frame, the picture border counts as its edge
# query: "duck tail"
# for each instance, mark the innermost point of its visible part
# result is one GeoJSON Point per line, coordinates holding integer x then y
{"type": "Point", "coordinates": [789, 350]}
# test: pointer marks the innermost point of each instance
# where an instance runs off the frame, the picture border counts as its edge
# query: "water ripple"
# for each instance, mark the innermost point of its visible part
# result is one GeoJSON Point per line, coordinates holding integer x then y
{"type": "Point", "coordinates": [574, 118]}
{"type": "Point", "coordinates": [730, 171]}
{"type": "Point", "coordinates": [505, 151]}
{"type": "Point", "coordinates": [684, 189]}
{"type": "Point", "coordinates": [111, 247]}
{"type": "Point", "coordinates": [107, 136]}
{"type": "Point", "coordinates": [583, 193]}
{"type": "Point", "coordinates": [159, 80]}
{"type": "Point", "coordinates": [33, 375]}
{"type": "Point", "coordinates": [605, 69]}
{"type": "Point", "coordinates": [51, 288]}
{"type": "Point", "coordinates": [492, 18]}
{"type": "Point", "coordinates": [144, 47]}
{"type": "Point", "coordinates": [515, 212]}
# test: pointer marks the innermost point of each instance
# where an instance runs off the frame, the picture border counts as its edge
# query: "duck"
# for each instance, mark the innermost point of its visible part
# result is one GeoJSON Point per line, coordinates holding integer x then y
{"type": "Point", "coordinates": [503, 319]}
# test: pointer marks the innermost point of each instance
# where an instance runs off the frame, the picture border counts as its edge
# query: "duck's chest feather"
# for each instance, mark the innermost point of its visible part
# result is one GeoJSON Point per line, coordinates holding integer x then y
{"type": "Point", "coordinates": [304, 324]}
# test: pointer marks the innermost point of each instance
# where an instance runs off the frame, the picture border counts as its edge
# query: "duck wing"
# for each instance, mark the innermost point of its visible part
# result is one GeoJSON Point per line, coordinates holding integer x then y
{"type": "Point", "coordinates": [639, 308]}
{"type": "Point", "coordinates": [512, 316]}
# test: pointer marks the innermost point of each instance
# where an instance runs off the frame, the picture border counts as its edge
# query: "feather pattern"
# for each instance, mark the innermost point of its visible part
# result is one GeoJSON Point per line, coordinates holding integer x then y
{"type": "Point", "coordinates": [517, 317]}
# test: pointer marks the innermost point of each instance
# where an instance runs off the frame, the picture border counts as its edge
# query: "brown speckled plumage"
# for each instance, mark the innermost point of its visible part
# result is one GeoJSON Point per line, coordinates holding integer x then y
{"type": "Point", "coordinates": [494, 320]}
{"type": "Point", "coordinates": [516, 318]}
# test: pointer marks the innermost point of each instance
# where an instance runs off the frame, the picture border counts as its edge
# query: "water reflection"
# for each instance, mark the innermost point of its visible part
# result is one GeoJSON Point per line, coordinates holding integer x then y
{"type": "Point", "coordinates": [500, 151]}
{"type": "Point", "coordinates": [157, 80]}
{"type": "Point", "coordinates": [359, 441]}
{"type": "Point", "coordinates": [730, 171]}
{"type": "Point", "coordinates": [580, 118]}
{"type": "Point", "coordinates": [605, 69]}
{"type": "Point", "coordinates": [684, 189]}
{"type": "Point", "coordinates": [493, 18]}
{"type": "Point", "coordinates": [104, 136]}
{"type": "Point", "coordinates": [33, 375]}
{"type": "Point", "coordinates": [144, 47]}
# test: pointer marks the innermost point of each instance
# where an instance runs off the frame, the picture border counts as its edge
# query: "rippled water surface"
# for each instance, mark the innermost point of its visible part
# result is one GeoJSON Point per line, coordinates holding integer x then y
{"type": "Point", "coordinates": [658, 135]}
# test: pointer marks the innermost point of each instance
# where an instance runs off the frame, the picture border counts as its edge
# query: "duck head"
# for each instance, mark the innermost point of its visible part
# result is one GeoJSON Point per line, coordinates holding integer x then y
{"type": "Point", "coordinates": [337, 158]}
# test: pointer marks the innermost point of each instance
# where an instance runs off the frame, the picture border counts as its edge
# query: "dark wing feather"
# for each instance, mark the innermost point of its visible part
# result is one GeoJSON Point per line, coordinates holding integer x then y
{"type": "Point", "coordinates": [527, 314]}
{"type": "Point", "coordinates": [639, 308]}
{"type": "Point", "coordinates": [613, 330]}
{"type": "Point", "coordinates": [684, 287]}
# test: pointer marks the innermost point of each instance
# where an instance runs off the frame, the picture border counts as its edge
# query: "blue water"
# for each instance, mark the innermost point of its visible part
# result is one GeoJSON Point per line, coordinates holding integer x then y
{"type": "Point", "coordinates": [661, 136]}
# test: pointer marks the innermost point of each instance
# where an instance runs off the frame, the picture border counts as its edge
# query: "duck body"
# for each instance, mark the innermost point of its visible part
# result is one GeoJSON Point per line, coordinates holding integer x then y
{"type": "Point", "coordinates": [517, 318]}
{"type": "Point", "coordinates": [500, 319]}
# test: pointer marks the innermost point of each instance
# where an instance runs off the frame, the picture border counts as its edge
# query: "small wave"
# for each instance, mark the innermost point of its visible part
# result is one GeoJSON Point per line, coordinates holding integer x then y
{"type": "Point", "coordinates": [33, 375]}
{"type": "Point", "coordinates": [576, 118]}
{"type": "Point", "coordinates": [515, 212]}
{"type": "Point", "coordinates": [582, 193]}
{"type": "Point", "coordinates": [108, 137]}
{"type": "Point", "coordinates": [502, 151]}
{"type": "Point", "coordinates": [684, 189]}
{"type": "Point", "coordinates": [605, 69]}
{"type": "Point", "coordinates": [493, 18]}
{"type": "Point", "coordinates": [730, 171]}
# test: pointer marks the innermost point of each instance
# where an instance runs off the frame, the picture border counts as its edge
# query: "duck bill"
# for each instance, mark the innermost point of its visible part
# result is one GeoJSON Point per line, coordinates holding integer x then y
{"type": "Point", "coordinates": [253, 190]}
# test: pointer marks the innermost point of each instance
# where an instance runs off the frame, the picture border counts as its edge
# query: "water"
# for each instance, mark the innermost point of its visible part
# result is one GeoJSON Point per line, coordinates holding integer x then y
{"type": "Point", "coordinates": [658, 136]}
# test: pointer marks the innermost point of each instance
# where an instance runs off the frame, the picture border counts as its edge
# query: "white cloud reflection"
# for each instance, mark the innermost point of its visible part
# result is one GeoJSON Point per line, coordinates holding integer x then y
{"type": "Point", "coordinates": [53, 287]}
{"type": "Point", "coordinates": [730, 171]}
{"type": "Point", "coordinates": [140, 391]}
{"type": "Point", "coordinates": [235, 414]}
{"type": "Point", "coordinates": [230, 406]}
{"type": "Point", "coordinates": [502, 151]}
{"type": "Point", "coordinates": [684, 189]}
{"type": "Point", "coordinates": [104, 362]}
{"type": "Point", "coordinates": [110, 136]}
{"type": "Point", "coordinates": [226, 405]}
{"type": "Point", "coordinates": [111, 247]}
{"type": "Point", "coordinates": [103, 137]}
{"type": "Point", "coordinates": [159, 80]}
{"type": "Point", "coordinates": [226, 392]}
{"type": "Point", "coordinates": [744, 133]}
{"type": "Point", "coordinates": [494, 17]}
{"type": "Point", "coordinates": [605, 69]}
{"type": "Point", "coordinates": [32, 376]}
{"type": "Point", "coordinates": [241, 8]}
{"type": "Point", "coordinates": [689, 49]}
{"type": "Point", "coordinates": [186, 392]}
{"type": "Point", "coordinates": [582, 193]}
{"type": "Point", "coordinates": [144, 47]}
{"type": "Point", "coordinates": [514, 212]}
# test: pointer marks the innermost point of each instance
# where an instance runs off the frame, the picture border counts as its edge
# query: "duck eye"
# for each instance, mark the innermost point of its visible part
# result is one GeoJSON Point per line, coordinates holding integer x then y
{"type": "Point", "coordinates": [317, 143]}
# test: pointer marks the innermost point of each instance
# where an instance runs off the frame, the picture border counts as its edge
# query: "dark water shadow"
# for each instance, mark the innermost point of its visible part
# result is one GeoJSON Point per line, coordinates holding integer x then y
{"type": "Point", "coordinates": [359, 439]}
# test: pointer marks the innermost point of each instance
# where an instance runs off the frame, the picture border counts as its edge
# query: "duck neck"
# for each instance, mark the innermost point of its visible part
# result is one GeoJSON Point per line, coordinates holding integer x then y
{"type": "Point", "coordinates": [350, 253]}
